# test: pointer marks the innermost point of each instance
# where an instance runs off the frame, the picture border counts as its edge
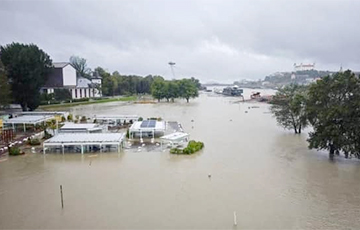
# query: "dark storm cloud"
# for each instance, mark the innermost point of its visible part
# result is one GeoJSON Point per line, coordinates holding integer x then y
{"type": "Point", "coordinates": [212, 40]}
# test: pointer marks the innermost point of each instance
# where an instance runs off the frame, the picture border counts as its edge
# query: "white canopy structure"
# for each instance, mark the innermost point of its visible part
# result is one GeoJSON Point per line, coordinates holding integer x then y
{"type": "Point", "coordinates": [115, 119]}
{"type": "Point", "coordinates": [85, 140]}
{"type": "Point", "coordinates": [27, 120]}
{"type": "Point", "coordinates": [80, 128]}
{"type": "Point", "coordinates": [44, 113]}
{"type": "Point", "coordinates": [147, 128]}
{"type": "Point", "coordinates": [175, 138]}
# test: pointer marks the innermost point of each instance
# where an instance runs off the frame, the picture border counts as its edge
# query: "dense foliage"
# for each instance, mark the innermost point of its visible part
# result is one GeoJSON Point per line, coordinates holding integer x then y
{"type": "Point", "coordinates": [288, 106]}
{"type": "Point", "coordinates": [331, 105]}
{"type": "Point", "coordinates": [184, 88]}
{"type": "Point", "coordinates": [14, 151]}
{"type": "Point", "coordinates": [27, 67]}
{"type": "Point", "coordinates": [34, 141]}
{"type": "Point", "coordinates": [116, 84]}
{"type": "Point", "coordinates": [4, 87]}
{"type": "Point", "coordinates": [192, 147]}
{"type": "Point", "coordinates": [333, 109]}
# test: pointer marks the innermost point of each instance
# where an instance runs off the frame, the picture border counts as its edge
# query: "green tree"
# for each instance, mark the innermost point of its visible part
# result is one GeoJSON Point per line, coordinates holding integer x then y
{"type": "Point", "coordinates": [288, 107]}
{"type": "Point", "coordinates": [27, 68]}
{"type": "Point", "coordinates": [171, 90]}
{"type": "Point", "coordinates": [106, 85]}
{"type": "Point", "coordinates": [196, 82]}
{"type": "Point", "coordinates": [81, 67]}
{"type": "Point", "coordinates": [4, 87]}
{"type": "Point", "coordinates": [187, 89]}
{"type": "Point", "coordinates": [333, 109]}
{"type": "Point", "coordinates": [158, 89]}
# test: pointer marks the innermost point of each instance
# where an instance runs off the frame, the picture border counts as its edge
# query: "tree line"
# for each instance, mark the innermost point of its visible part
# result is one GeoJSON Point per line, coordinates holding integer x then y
{"type": "Point", "coordinates": [24, 69]}
{"type": "Point", "coordinates": [117, 84]}
{"type": "Point", "coordinates": [330, 105]}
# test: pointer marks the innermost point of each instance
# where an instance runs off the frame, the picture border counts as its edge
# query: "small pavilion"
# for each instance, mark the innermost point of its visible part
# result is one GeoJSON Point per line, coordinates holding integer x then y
{"type": "Point", "coordinates": [175, 138]}
{"type": "Point", "coordinates": [27, 120]}
{"type": "Point", "coordinates": [147, 128]}
{"type": "Point", "coordinates": [86, 141]}
{"type": "Point", "coordinates": [70, 127]}
{"type": "Point", "coordinates": [115, 119]}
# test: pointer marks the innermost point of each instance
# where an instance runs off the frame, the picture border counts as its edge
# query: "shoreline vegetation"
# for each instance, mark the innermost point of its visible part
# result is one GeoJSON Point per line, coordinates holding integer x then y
{"type": "Point", "coordinates": [191, 148]}
{"type": "Point", "coordinates": [105, 100]}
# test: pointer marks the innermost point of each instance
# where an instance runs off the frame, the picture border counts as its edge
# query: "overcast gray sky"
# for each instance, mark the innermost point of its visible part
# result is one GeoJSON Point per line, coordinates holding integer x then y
{"type": "Point", "coordinates": [213, 40]}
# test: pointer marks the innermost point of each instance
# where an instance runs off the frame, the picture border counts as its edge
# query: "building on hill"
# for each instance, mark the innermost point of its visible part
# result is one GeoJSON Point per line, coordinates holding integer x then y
{"type": "Point", "coordinates": [63, 76]}
{"type": "Point", "coordinates": [304, 67]}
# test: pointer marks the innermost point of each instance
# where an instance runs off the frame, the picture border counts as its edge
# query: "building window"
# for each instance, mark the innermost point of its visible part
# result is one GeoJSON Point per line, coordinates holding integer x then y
{"type": "Point", "coordinates": [80, 93]}
{"type": "Point", "coordinates": [85, 92]}
{"type": "Point", "coordinates": [75, 93]}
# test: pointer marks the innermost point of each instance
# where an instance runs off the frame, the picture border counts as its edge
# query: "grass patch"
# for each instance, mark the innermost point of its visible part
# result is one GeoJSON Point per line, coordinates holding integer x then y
{"type": "Point", "coordinates": [130, 98]}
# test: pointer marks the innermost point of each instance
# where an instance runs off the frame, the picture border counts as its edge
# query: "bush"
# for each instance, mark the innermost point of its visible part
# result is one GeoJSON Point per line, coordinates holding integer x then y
{"type": "Point", "coordinates": [127, 133]}
{"type": "Point", "coordinates": [70, 117]}
{"type": "Point", "coordinates": [192, 147]}
{"type": "Point", "coordinates": [140, 119]}
{"type": "Point", "coordinates": [63, 119]}
{"type": "Point", "coordinates": [34, 141]}
{"type": "Point", "coordinates": [14, 151]}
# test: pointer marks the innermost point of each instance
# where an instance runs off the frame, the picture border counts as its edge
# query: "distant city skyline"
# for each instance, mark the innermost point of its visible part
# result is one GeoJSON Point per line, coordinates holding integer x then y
{"type": "Point", "coordinates": [212, 40]}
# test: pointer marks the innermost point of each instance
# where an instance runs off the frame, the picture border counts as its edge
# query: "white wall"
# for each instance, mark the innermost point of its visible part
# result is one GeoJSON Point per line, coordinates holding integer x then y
{"type": "Point", "coordinates": [69, 74]}
{"type": "Point", "coordinates": [73, 93]}
{"type": "Point", "coordinates": [78, 93]}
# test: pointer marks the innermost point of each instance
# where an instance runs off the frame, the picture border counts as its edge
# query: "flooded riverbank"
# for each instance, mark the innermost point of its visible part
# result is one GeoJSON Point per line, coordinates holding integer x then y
{"type": "Point", "coordinates": [264, 173]}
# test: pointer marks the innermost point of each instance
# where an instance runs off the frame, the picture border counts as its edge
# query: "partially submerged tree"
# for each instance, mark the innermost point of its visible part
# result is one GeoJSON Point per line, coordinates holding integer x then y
{"type": "Point", "coordinates": [288, 107]}
{"type": "Point", "coordinates": [81, 66]}
{"type": "Point", "coordinates": [158, 88]}
{"type": "Point", "coordinates": [187, 89]}
{"type": "Point", "coordinates": [333, 110]}
{"type": "Point", "coordinates": [27, 68]}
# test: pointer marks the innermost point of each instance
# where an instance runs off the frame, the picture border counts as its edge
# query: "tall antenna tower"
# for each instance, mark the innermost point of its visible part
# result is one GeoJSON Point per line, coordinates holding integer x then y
{"type": "Point", "coordinates": [172, 64]}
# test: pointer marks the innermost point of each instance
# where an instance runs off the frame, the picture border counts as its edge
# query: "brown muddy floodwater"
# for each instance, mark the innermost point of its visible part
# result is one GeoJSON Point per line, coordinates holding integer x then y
{"type": "Point", "coordinates": [259, 170]}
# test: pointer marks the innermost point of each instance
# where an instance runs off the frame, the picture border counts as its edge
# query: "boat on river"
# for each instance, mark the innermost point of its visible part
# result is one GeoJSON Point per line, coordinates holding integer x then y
{"type": "Point", "coordinates": [232, 91]}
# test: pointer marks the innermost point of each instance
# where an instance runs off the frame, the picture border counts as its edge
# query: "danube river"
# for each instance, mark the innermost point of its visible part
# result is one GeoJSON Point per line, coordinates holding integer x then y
{"type": "Point", "coordinates": [264, 173]}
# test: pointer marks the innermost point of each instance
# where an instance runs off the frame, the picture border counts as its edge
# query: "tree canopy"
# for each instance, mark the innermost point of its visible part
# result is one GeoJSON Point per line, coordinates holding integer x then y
{"type": "Point", "coordinates": [80, 64]}
{"type": "Point", "coordinates": [288, 107]}
{"type": "Point", "coordinates": [184, 88]}
{"type": "Point", "coordinates": [188, 89]}
{"type": "Point", "coordinates": [27, 68]}
{"type": "Point", "coordinates": [333, 110]}
{"type": "Point", "coordinates": [4, 87]}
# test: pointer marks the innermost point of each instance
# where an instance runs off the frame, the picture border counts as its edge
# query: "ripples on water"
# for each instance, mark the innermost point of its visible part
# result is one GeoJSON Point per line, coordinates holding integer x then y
{"type": "Point", "coordinates": [263, 172]}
